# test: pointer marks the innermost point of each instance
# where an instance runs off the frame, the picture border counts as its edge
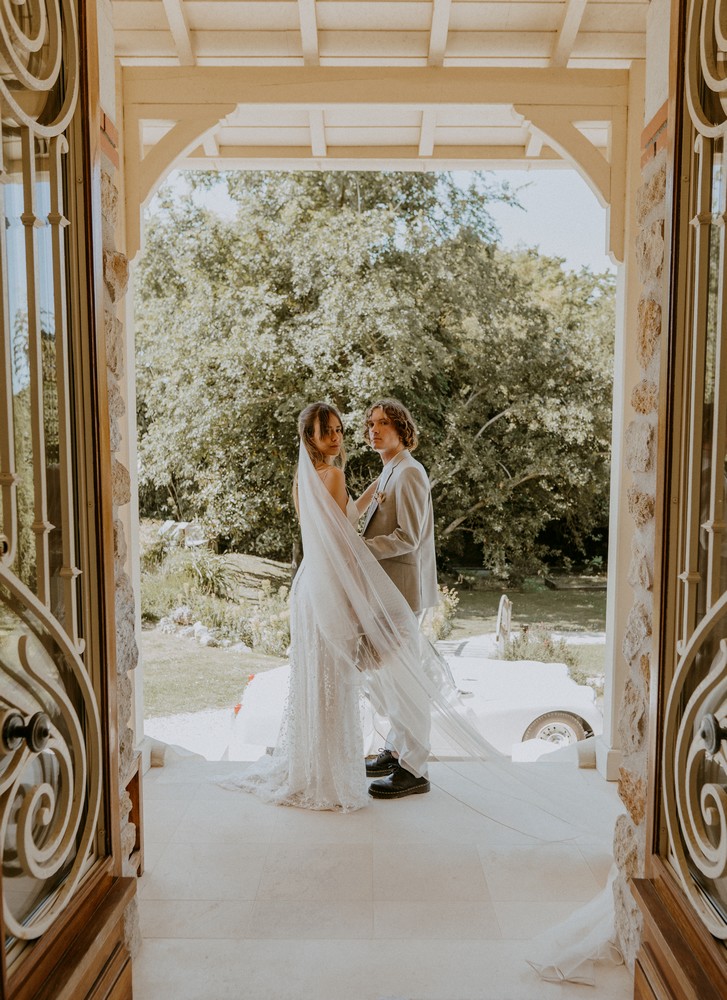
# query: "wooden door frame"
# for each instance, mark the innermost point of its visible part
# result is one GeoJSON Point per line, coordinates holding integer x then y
{"type": "Point", "coordinates": [84, 954]}
{"type": "Point", "coordinates": [678, 958]}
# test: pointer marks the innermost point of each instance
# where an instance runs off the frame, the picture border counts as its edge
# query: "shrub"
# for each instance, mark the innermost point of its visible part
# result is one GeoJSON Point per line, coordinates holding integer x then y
{"type": "Point", "coordinates": [161, 591]}
{"type": "Point", "coordinates": [270, 622]}
{"type": "Point", "coordinates": [440, 623]}
{"type": "Point", "coordinates": [212, 575]}
{"type": "Point", "coordinates": [226, 619]}
{"type": "Point", "coordinates": [154, 554]}
{"type": "Point", "coordinates": [537, 643]}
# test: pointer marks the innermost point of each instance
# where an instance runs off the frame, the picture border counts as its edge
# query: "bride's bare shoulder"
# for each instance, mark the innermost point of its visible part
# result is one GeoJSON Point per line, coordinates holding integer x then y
{"type": "Point", "coordinates": [331, 475]}
{"type": "Point", "coordinates": [335, 482]}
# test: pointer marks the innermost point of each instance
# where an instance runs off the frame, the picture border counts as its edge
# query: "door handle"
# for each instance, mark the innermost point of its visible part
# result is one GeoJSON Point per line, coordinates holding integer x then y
{"type": "Point", "coordinates": [35, 732]}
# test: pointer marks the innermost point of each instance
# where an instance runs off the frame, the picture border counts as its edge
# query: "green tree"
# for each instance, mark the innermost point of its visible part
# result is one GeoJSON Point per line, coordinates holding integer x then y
{"type": "Point", "coordinates": [347, 287]}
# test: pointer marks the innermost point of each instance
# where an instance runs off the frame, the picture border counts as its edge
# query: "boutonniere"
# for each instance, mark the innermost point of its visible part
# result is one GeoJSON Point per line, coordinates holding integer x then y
{"type": "Point", "coordinates": [380, 497]}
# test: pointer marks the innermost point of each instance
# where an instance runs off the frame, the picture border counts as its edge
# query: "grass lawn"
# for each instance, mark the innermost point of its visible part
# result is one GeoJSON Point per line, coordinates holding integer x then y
{"type": "Point", "coordinates": [560, 610]}
{"type": "Point", "coordinates": [182, 676]}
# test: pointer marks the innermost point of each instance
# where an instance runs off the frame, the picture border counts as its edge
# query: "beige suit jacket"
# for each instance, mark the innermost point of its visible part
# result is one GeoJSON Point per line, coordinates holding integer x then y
{"type": "Point", "coordinates": [400, 531]}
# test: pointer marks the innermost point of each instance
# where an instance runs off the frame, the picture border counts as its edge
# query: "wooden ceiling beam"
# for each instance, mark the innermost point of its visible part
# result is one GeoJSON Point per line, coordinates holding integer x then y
{"type": "Point", "coordinates": [309, 32]}
{"type": "Point", "coordinates": [318, 143]}
{"type": "Point", "coordinates": [174, 9]}
{"type": "Point", "coordinates": [441, 10]}
{"type": "Point", "coordinates": [329, 87]}
{"type": "Point", "coordinates": [426, 134]}
{"type": "Point", "coordinates": [568, 31]}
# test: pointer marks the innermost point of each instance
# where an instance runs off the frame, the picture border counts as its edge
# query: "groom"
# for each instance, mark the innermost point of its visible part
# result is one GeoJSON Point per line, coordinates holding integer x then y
{"type": "Point", "coordinates": [399, 531]}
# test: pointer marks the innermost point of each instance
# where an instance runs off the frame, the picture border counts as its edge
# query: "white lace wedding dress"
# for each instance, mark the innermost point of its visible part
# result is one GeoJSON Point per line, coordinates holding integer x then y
{"type": "Point", "coordinates": [351, 630]}
{"type": "Point", "coordinates": [318, 761]}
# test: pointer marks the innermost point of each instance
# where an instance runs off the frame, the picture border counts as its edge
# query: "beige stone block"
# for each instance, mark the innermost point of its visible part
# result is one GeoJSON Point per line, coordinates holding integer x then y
{"type": "Point", "coordinates": [651, 194]}
{"type": "Point", "coordinates": [116, 273]}
{"type": "Point", "coordinates": [117, 408]}
{"type": "Point", "coordinates": [127, 651]}
{"type": "Point", "coordinates": [128, 839]}
{"type": "Point", "coordinates": [124, 806]}
{"type": "Point", "coordinates": [120, 482]}
{"type": "Point", "coordinates": [109, 198]}
{"type": "Point", "coordinates": [632, 792]}
{"type": "Point", "coordinates": [626, 851]}
{"type": "Point", "coordinates": [638, 630]}
{"type": "Point", "coordinates": [115, 344]}
{"type": "Point", "coordinates": [127, 754]}
{"type": "Point", "coordinates": [645, 397]}
{"type": "Point", "coordinates": [633, 717]}
{"type": "Point", "coordinates": [641, 505]}
{"type": "Point", "coordinates": [639, 574]}
{"type": "Point", "coordinates": [650, 251]}
{"type": "Point", "coordinates": [115, 438]}
{"type": "Point", "coordinates": [628, 921]}
{"type": "Point", "coordinates": [649, 330]}
{"type": "Point", "coordinates": [120, 548]}
{"type": "Point", "coordinates": [639, 441]}
{"type": "Point", "coordinates": [124, 699]}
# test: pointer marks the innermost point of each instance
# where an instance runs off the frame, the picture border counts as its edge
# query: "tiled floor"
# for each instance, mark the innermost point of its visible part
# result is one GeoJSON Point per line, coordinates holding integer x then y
{"type": "Point", "coordinates": [416, 899]}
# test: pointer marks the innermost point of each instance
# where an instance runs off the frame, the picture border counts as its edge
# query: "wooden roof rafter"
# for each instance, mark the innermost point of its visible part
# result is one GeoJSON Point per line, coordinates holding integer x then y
{"type": "Point", "coordinates": [174, 10]}
{"type": "Point", "coordinates": [309, 32]}
{"type": "Point", "coordinates": [568, 31]}
{"type": "Point", "coordinates": [441, 11]}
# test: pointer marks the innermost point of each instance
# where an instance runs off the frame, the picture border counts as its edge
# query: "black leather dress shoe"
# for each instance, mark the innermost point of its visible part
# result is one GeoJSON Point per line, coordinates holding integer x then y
{"type": "Point", "coordinates": [383, 765]}
{"type": "Point", "coordinates": [399, 783]}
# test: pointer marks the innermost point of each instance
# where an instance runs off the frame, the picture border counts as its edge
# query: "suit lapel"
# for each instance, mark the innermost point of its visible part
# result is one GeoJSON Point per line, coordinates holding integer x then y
{"type": "Point", "coordinates": [373, 506]}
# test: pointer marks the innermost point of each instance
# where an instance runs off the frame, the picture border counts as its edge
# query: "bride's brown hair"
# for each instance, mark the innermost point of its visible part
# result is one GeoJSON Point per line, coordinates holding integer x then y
{"type": "Point", "coordinates": [323, 413]}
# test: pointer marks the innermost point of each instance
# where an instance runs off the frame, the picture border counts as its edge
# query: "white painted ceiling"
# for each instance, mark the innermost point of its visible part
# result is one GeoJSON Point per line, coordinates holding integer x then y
{"type": "Point", "coordinates": [527, 34]}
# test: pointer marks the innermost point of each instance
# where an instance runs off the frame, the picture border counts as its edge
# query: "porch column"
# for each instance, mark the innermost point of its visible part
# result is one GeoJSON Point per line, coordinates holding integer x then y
{"type": "Point", "coordinates": [132, 529]}
{"type": "Point", "coordinates": [625, 375]}
{"type": "Point", "coordinates": [127, 424]}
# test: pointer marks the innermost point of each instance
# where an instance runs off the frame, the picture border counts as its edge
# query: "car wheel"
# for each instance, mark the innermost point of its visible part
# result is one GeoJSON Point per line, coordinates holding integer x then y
{"type": "Point", "coordinates": [562, 728]}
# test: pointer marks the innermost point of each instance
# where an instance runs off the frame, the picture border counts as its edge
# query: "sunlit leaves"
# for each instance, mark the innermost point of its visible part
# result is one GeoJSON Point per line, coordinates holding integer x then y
{"type": "Point", "coordinates": [347, 287]}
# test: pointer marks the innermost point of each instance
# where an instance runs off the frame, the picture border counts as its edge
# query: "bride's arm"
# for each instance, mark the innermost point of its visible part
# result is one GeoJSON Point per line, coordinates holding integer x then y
{"type": "Point", "coordinates": [366, 497]}
{"type": "Point", "coordinates": [335, 482]}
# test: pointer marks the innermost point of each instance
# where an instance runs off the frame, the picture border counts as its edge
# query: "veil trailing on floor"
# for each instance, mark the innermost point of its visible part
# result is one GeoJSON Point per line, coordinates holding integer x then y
{"type": "Point", "coordinates": [351, 631]}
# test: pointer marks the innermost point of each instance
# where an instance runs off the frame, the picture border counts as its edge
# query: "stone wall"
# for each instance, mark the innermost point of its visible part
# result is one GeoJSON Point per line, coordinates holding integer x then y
{"type": "Point", "coordinates": [116, 276]}
{"type": "Point", "coordinates": [116, 279]}
{"type": "Point", "coordinates": [640, 455]}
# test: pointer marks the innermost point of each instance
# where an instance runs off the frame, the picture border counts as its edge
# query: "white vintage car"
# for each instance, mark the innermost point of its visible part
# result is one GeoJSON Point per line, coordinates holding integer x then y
{"type": "Point", "coordinates": [510, 702]}
{"type": "Point", "coordinates": [519, 700]}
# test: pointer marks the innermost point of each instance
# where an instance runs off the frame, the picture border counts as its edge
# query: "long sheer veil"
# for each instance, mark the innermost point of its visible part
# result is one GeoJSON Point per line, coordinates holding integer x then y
{"type": "Point", "coordinates": [345, 610]}
{"type": "Point", "coordinates": [373, 631]}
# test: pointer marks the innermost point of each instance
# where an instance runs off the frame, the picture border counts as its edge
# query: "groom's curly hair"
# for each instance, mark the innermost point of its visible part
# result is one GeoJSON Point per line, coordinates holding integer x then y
{"type": "Point", "coordinates": [400, 418]}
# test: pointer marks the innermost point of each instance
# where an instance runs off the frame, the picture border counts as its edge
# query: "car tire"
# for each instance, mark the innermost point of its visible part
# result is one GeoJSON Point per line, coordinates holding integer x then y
{"type": "Point", "coordinates": [563, 728]}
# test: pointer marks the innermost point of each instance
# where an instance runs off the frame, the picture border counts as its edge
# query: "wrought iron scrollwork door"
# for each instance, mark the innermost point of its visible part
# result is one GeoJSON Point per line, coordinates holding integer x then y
{"type": "Point", "coordinates": [694, 748]}
{"type": "Point", "coordinates": [50, 734]}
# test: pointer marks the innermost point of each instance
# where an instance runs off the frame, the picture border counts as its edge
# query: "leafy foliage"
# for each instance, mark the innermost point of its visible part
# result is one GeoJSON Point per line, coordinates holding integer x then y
{"type": "Point", "coordinates": [537, 643]}
{"type": "Point", "coordinates": [270, 623]}
{"type": "Point", "coordinates": [348, 286]}
{"type": "Point", "coordinates": [439, 623]}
